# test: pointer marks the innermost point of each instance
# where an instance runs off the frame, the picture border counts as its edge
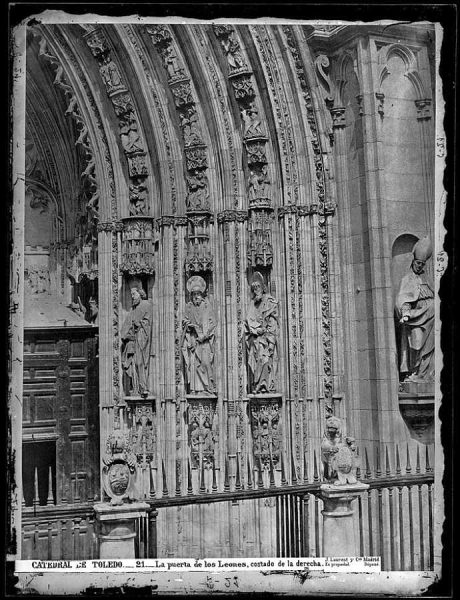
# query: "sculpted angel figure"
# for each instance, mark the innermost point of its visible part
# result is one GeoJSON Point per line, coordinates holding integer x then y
{"type": "Point", "coordinates": [198, 337]}
{"type": "Point", "coordinates": [261, 332]}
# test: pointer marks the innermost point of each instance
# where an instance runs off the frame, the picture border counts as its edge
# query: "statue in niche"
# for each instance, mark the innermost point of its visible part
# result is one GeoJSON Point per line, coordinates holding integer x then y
{"type": "Point", "coordinates": [252, 124]}
{"type": "Point", "coordinates": [198, 337]}
{"type": "Point", "coordinates": [338, 454]}
{"type": "Point", "coordinates": [233, 51]}
{"type": "Point", "coordinates": [136, 336]}
{"type": "Point", "coordinates": [261, 331]}
{"type": "Point", "coordinates": [415, 311]}
{"type": "Point", "coordinates": [198, 193]}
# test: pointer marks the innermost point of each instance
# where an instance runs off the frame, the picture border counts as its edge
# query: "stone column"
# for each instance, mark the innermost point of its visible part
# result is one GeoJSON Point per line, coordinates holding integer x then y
{"type": "Point", "coordinates": [116, 528]}
{"type": "Point", "coordinates": [338, 528]}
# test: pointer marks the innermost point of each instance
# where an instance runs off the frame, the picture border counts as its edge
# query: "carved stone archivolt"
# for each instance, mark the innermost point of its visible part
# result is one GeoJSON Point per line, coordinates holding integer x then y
{"type": "Point", "coordinates": [128, 121]}
{"type": "Point", "coordinates": [318, 207]}
{"type": "Point", "coordinates": [255, 140]}
{"type": "Point", "coordinates": [199, 255]}
{"type": "Point", "coordinates": [81, 257]}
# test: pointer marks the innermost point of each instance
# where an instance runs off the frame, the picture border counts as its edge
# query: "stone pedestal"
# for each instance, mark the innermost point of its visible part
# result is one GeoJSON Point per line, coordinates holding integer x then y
{"type": "Point", "coordinates": [116, 529]}
{"type": "Point", "coordinates": [416, 404]}
{"type": "Point", "coordinates": [338, 529]}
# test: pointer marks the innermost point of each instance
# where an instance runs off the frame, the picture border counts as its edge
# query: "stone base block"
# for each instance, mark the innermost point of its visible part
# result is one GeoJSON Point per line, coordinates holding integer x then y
{"type": "Point", "coordinates": [116, 530]}
{"type": "Point", "coordinates": [338, 528]}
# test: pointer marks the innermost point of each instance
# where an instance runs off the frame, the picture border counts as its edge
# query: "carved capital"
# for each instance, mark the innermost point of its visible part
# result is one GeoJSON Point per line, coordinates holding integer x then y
{"type": "Point", "coordinates": [227, 216]}
{"type": "Point", "coordinates": [288, 209]}
{"type": "Point", "coordinates": [166, 221]}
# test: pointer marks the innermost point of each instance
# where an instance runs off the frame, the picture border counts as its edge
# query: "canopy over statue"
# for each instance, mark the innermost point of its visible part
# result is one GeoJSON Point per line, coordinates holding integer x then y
{"type": "Point", "coordinates": [415, 311]}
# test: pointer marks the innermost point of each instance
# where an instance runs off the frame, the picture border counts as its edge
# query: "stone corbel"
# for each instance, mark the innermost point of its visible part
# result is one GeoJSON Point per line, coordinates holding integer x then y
{"type": "Point", "coordinates": [380, 97]}
{"type": "Point", "coordinates": [338, 117]}
{"type": "Point", "coordinates": [424, 111]}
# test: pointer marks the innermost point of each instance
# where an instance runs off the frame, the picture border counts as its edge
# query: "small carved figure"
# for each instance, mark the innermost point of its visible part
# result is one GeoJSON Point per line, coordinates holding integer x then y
{"type": "Point", "coordinates": [263, 182]}
{"type": "Point", "coordinates": [198, 193]}
{"type": "Point", "coordinates": [136, 335]}
{"type": "Point", "coordinates": [198, 336]}
{"type": "Point", "coordinates": [137, 198]}
{"type": "Point", "coordinates": [110, 73]}
{"type": "Point", "coordinates": [172, 63]}
{"type": "Point", "coordinates": [415, 311]}
{"type": "Point", "coordinates": [130, 138]}
{"type": "Point", "coordinates": [252, 124]}
{"type": "Point", "coordinates": [253, 185]}
{"type": "Point", "coordinates": [93, 311]}
{"type": "Point", "coordinates": [190, 127]}
{"type": "Point", "coordinates": [233, 51]}
{"type": "Point", "coordinates": [261, 331]}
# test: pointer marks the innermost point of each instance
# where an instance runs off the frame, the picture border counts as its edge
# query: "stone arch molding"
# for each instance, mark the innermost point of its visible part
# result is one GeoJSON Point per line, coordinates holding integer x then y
{"type": "Point", "coordinates": [409, 58]}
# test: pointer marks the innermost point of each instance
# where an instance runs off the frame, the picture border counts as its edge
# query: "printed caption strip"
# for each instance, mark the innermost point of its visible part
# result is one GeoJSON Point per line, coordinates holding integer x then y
{"type": "Point", "coordinates": [342, 564]}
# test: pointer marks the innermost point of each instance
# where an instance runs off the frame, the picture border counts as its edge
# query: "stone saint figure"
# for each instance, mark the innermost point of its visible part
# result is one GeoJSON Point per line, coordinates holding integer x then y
{"type": "Point", "coordinates": [261, 331]}
{"type": "Point", "coordinates": [198, 336]}
{"type": "Point", "coordinates": [415, 311]}
{"type": "Point", "coordinates": [136, 335]}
